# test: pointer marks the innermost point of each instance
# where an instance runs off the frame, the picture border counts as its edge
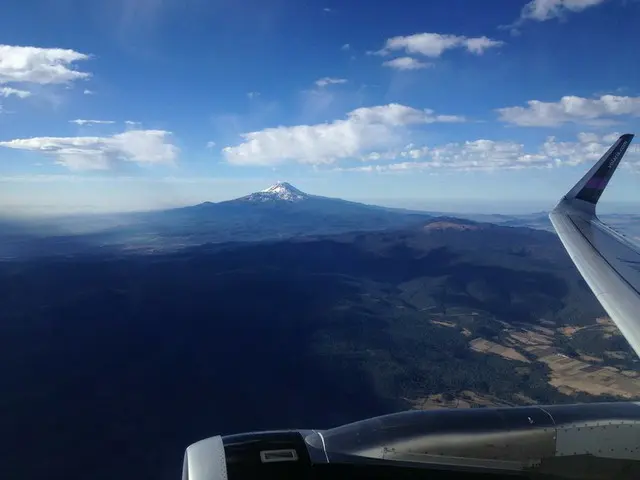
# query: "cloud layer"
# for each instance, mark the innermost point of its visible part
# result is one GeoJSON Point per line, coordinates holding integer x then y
{"type": "Point", "coordinates": [489, 155]}
{"type": "Point", "coordinates": [363, 130]}
{"type": "Point", "coordinates": [103, 153]}
{"type": "Point", "coordinates": [570, 109]}
{"type": "Point", "coordinates": [39, 65]}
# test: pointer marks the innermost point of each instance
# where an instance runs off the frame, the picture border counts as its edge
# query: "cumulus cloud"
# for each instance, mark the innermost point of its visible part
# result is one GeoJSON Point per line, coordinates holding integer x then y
{"type": "Point", "coordinates": [570, 109]}
{"type": "Point", "coordinates": [8, 91]}
{"type": "Point", "coordinates": [489, 155]}
{"type": "Point", "coordinates": [86, 91]}
{"type": "Point", "coordinates": [102, 153]}
{"type": "Point", "coordinates": [363, 130]}
{"type": "Point", "coordinates": [542, 10]}
{"type": "Point", "coordinates": [81, 121]}
{"type": "Point", "coordinates": [323, 82]}
{"type": "Point", "coordinates": [39, 65]}
{"type": "Point", "coordinates": [435, 44]}
{"type": "Point", "coordinates": [406, 63]}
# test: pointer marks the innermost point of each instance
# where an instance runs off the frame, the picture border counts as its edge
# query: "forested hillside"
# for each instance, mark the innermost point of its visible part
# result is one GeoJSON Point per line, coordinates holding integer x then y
{"type": "Point", "coordinates": [141, 355]}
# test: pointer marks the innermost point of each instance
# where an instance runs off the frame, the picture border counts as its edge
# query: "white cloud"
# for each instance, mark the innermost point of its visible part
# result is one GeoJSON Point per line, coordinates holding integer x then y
{"type": "Point", "coordinates": [542, 10]}
{"type": "Point", "coordinates": [345, 47]}
{"type": "Point", "coordinates": [435, 44]}
{"type": "Point", "coordinates": [478, 45]}
{"type": "Point", "coordinates": [131, 123]}
{"type": "Point", "coordinates": [39, 65]}
{"type": "Point", "coordinates": [323, 82]}
{"type": "Point", "coordinates": [406, 63]}
{"type": "Point", "coordinates": [253, 95]}
{"type": "Point", "coordinates": [86, 91]}
{"type": "Point", "coordinates": [81, 121]}
{"type": "Point", "coordinates": [211, 144]}
{"type": "Point", "coordinates": [573, 153]}
{"type": "Point", "coordinates": [589, 147]}
{"type": "Point", "coordinates": [363, 130]}
{"type": "Point", "coordinates": [489, 155]}
{"type": "Point", "coordinates": [103, 153]}
{"type": "Point", "coordinates": [380, 156]}
{"type": "Point", "coordinates": [8, 91]}
{"type": "Point", "coordinates": [612, 137]}
{"type": "Point", "coordinates": [585, 137]}
{"type": "Point", "coordinates": [570, 109]}
{"type": "Point", "coordinates": [397, 115]}
{"type": "Point", "coordinates": [472, 155]}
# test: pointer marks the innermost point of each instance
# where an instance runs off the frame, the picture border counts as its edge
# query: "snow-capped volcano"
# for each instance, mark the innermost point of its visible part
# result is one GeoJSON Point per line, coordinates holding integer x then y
{"type": "Point", "coordinates": [279, 191]}
{"type": "Point", "coordinates": [280, 211]}
{"type": "Point", "coordinates": [285, 191]}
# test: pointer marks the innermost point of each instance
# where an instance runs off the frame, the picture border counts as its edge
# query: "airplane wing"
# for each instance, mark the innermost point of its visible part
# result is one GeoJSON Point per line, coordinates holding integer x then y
{"type": "Point", "coordinates": [606, 259]}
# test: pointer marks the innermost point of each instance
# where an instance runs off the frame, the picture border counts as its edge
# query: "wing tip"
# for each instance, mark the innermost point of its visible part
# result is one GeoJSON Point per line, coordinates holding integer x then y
{"type": "Point", "coordinates": [586, 193]}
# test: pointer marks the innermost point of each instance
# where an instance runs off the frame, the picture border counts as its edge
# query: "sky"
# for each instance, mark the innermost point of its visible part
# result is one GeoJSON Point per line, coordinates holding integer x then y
{"type": "Point", "coordinates": [460, 105]}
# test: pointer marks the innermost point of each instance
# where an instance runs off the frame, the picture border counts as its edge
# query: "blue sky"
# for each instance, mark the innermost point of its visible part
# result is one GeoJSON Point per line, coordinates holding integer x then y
{"type": "Point", "coordinates": [456, 104]}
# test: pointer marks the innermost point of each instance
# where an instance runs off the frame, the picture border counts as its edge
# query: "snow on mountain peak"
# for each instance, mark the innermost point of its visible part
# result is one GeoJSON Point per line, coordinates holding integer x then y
{"type": "Point", "coordinates": [285, 191]}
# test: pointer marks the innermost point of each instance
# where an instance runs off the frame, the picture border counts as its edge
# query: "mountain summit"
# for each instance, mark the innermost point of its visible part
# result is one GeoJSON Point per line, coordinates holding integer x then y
{"type": "Point", "coordinates": [280, 191]}
{"type": "Point", "coordinates": [285, 191]}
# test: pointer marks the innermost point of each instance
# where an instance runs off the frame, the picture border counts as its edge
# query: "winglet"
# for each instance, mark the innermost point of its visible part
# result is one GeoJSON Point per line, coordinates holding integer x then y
{"type": "Point", "coordinates": [586, 193]}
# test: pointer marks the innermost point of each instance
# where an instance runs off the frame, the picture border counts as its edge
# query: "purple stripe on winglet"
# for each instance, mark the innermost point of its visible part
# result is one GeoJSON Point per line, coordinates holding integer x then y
{"type": "Point", "coordinates": [596, 182]}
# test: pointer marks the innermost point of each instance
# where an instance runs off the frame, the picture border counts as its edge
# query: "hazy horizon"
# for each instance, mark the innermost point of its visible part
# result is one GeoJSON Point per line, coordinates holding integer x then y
{"type": "Point", "coordinates": [444, 205]}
